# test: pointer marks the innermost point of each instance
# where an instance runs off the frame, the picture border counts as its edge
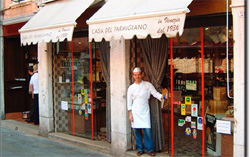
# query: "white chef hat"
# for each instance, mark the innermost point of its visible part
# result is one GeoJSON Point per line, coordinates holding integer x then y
{"type": "Point", "coordinates": [137, 69]}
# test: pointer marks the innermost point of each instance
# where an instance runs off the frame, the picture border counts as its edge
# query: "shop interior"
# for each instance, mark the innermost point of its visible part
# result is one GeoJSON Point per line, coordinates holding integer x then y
{"type": "Point", "coordinates": [218, 89]}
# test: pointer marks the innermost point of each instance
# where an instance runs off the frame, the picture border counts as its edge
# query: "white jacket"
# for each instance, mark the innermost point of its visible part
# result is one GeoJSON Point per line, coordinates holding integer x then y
{"type": "Point", "coordinates": [137, 101]}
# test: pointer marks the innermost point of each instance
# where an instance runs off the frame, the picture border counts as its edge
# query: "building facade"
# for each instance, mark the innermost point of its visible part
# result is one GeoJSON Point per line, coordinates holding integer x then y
{"type": "Point", "coordinates": [65, 112]}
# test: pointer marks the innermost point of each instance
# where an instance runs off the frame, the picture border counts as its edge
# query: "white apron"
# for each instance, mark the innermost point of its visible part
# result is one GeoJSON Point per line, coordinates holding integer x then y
{"type": "Point", "coordinates": [141, 113]}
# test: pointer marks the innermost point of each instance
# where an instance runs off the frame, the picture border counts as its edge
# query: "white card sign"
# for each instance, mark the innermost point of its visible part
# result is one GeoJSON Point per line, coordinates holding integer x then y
{"type": "Point", "coordinates": [223, 126]}
{"type": "Point", "coordinates": [64, 105]}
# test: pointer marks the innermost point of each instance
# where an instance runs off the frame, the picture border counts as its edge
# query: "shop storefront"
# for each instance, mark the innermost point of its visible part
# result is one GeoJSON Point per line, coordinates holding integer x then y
{"type": "Point", "coordinates": [198, 118]}
{"type": "Point", "coordinates": [120, 28]}
{"type": "Point", "coordinates": [71, 81]}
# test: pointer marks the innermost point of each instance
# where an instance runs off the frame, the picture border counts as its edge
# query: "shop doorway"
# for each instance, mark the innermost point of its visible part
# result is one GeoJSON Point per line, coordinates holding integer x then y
{"type": "Point", "coordinates": [17, 59]}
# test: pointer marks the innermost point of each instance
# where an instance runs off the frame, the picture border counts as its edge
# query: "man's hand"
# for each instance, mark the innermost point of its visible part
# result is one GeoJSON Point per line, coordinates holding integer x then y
{"type": "Point", "coordinates": [131, 118]}
{"type": "Point", "coordinates": [166, 95]}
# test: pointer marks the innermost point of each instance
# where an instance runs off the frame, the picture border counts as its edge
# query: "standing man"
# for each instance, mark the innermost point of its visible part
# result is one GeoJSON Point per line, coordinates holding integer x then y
{"type": "Point", "coordinates": [139, 113]}
{"type": "Point", "coordinates": [31, 118]}
{"type": "Point", "coordinates": [35, 91]}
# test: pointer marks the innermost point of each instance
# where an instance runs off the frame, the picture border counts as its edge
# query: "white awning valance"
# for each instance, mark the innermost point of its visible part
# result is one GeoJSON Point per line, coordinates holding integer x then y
{"type": "Point", "coordinates": [54, 22]}
{"type": "Point", "coordinates": [119, 18]}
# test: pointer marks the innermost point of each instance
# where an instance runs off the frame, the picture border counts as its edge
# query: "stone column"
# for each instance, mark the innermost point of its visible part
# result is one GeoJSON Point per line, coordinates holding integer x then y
{"type": "Point", "coordinates": [45, 88]}
{"type": "Point", "coordinates": [238, 10]}
{"type": "Point", "coordinates": [119, 82]}
{"type": "Point", "coordinates": [2, 108]}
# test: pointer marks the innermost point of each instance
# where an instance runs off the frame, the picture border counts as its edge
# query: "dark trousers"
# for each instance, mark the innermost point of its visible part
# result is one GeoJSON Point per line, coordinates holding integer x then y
{"type": "Point", "coordinates": [34, 112]}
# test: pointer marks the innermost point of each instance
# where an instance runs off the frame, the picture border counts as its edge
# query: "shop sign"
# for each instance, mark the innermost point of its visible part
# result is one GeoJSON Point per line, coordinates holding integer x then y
{"type": "Point", "coordinates": [183, 109]}
{"type": "Point", "coordinates": [194, 112]}
{"type": "Point", "coordinates": [188, 131]}
{"type": "Point", "coordinates": [193, 124]}
{"type": "Point", "coordinates": [181, 122]}
{"type": "Point", "coordinates": [200, 123]}
{"type": "Point", "coordinates": [169, 25]}
{"type": "Point", "coordinates": [210, 131]}
{"type": "Point", "coordinates": [187, 100]}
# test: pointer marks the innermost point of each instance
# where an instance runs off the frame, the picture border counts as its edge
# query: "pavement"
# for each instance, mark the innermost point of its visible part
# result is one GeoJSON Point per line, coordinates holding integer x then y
{"type": "Point", "coordinates": [102, 147]}
{"type": "Point", "coordinates": [19, 144]}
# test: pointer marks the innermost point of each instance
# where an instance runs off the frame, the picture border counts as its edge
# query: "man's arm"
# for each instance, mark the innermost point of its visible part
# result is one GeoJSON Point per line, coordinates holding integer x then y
{"type": "Point", "coordinates": [129, 104]}
{"type": "Point", "coordinates": [131, 118]}
{"type": "Point", "coordinates": [32, 90]}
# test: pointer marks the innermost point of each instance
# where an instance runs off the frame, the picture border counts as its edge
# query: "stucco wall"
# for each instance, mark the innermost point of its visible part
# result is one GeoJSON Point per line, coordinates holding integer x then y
{"type": "Point", "coordinates": [13, 10]}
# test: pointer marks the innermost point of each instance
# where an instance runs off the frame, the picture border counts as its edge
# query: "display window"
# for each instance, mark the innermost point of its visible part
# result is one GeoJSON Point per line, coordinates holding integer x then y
{"type": "Point", "coordinates": [202, 81]}
{"type": "Point", "coordinates": [79, 90]}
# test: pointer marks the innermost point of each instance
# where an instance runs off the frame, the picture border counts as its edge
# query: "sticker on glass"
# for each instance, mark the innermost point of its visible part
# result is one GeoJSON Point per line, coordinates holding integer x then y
{"type": "Point", "coordinates": [181, 122]}
{"type": "Point", "coordinates": [183, 109]}
{"type": "Point", "coordinates": [200, 123]}
{"type": "Point", "coordinates": [193, 124]}
{"type": "Point", "coordinates": [194, 112]}
{"type": "Point", "coordinates": [188, 131]}
{"type": "Point", "coordinates": [188, 119]}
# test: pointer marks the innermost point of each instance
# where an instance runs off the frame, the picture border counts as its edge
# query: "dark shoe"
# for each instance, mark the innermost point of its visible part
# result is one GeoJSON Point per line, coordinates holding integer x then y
{"type": "Point", "coordinates": [29, 120]}
{"type": "Point", "coordinates": [139, 153]}
{"type": "Point", "coordinates": [151, 153]}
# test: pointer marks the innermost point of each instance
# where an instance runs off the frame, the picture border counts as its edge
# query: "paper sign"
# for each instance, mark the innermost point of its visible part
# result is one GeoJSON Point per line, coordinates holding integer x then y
{"type": "Point", "coordinates": [194, 111]}
{"type": "Point", "coordinates": [187, 100]}
{"type": "Point", "coordinates": [183, 109]}
{"type": "Point", "coordinates": [188, 119]}
{"type": "Point", "coordinates": [223, 127]}
{"type": "Point", "coordinates": [188, 131]}
{"type": "Point", "coordinates": [193, 124]}
{"type": "Point", "coordinates": [181, 122]}
{"type": "Point", "coordinates": [64, 105]}
{"type": "Point", "coordinates": [200, 123]}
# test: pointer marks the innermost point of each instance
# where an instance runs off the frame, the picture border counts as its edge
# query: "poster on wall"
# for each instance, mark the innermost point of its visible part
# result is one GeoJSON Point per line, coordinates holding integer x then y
{"type": "Point", "coordinates": [211, 132]}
